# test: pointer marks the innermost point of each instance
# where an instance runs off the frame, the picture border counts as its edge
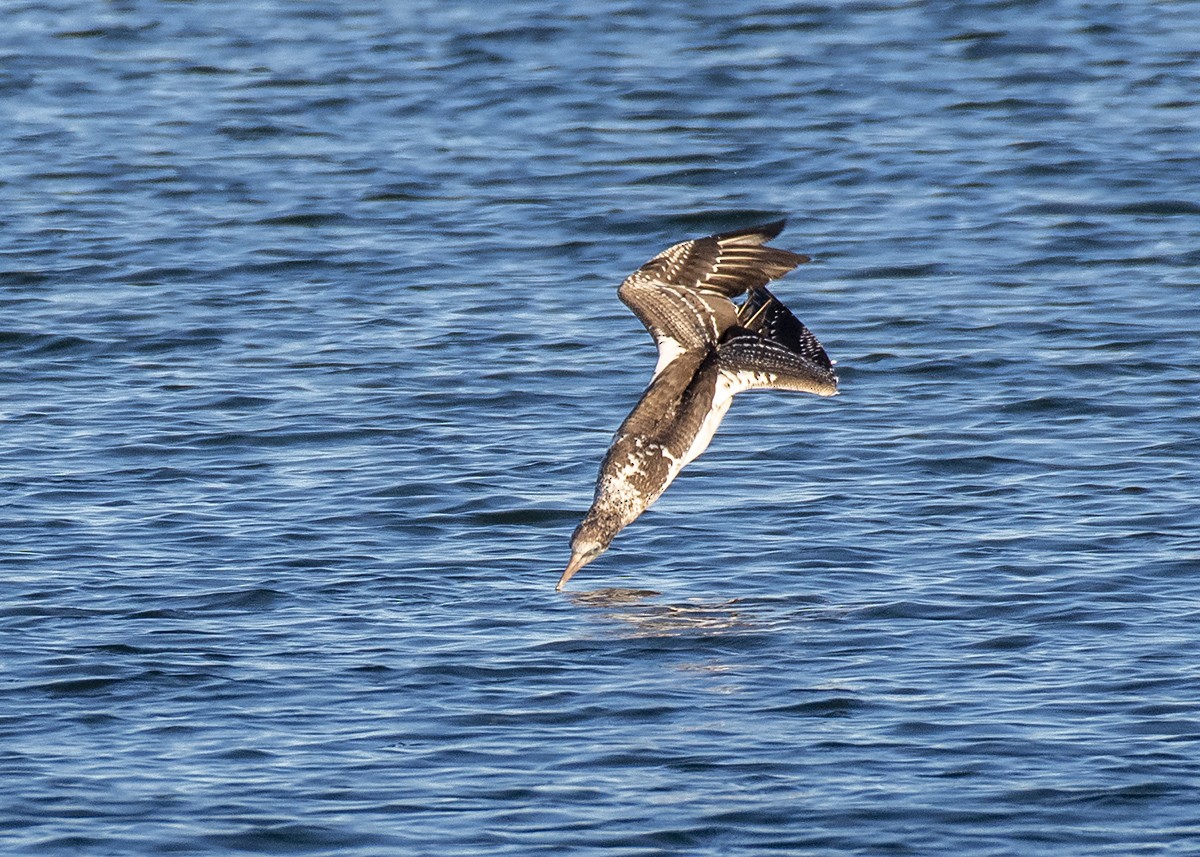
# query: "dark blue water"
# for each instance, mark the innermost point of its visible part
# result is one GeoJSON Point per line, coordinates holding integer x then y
{"type": "Point", "coordinates": [310, 347]}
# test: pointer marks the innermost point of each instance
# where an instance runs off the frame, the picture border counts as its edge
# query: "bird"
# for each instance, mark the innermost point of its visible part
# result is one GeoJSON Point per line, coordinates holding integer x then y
{"type": "Point", "coordinates": [709, 350]}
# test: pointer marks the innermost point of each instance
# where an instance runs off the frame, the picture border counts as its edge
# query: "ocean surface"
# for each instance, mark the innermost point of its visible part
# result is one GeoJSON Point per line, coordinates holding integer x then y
{"type": "Point", "coordinates": [310, 348]}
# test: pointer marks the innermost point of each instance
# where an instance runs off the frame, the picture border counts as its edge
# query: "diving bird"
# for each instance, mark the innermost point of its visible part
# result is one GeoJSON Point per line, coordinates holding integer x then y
{"type": "Point", "coordinates": [709, 350]}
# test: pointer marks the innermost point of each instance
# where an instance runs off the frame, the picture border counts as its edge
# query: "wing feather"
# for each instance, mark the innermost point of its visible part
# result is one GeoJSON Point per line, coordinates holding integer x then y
{"type": "Point", "coordinates": [683, 295]}
{"type": "Point", "coordinates": [771, 348]}
{"type": "Point", "coordinates": [765, 315]}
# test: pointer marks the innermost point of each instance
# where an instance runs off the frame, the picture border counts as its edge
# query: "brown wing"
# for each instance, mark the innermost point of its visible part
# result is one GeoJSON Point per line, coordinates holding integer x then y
{"type": "Point", "coordinates": [683, 295]}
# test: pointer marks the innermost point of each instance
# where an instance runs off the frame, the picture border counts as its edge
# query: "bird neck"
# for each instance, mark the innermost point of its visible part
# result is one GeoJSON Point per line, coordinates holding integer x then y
{"type": "Point", "coordinates": [601, 524]}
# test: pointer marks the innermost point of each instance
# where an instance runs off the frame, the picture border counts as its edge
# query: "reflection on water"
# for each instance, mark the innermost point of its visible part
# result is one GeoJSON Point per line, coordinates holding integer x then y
{"type": "Point", "coordinates": [634, 608]}
{"type": "Point", "coordinates": [610, 596]}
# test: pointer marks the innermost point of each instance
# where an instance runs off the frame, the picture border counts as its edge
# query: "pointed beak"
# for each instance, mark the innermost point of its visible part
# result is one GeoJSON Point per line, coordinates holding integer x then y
{"type": "Point", "coordinates": [576, 563]}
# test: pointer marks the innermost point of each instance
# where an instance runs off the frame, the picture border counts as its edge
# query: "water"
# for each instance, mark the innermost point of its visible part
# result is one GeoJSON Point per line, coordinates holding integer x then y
{"type": "Point", "coordinates": [310, 347]}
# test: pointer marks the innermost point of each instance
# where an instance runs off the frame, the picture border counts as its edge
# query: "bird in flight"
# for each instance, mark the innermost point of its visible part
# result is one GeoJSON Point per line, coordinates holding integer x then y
{"type": "Point", "coordinates": [709, 350]}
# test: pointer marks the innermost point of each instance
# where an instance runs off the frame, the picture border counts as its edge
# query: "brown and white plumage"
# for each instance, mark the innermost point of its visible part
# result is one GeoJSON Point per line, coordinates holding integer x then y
{"type": "Point", "coordinates": [709, 350]}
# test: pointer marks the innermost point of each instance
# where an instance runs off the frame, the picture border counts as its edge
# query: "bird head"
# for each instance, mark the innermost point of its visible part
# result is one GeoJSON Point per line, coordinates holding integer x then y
{"type": "Point", "coordinates": [591, 538]}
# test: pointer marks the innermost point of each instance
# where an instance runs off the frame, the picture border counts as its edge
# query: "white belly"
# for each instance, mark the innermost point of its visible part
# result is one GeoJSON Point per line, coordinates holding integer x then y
{"type": "Point", "coordinates": [723, 397]}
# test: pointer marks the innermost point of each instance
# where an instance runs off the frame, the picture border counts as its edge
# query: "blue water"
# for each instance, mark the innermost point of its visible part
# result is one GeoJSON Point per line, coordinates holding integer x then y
{"type": "Point", "coordinates": [310, 348]}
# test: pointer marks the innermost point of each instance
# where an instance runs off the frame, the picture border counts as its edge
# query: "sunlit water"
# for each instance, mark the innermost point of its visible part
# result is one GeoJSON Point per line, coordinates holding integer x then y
{"type": "Point", "coordinates": [310, 348]}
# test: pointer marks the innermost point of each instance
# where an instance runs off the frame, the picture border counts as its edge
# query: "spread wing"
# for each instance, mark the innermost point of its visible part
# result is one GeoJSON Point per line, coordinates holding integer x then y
{"type": "Point", "coordinates": [683, 295]}
{"type": "Point", "coordinates": [770, 347]}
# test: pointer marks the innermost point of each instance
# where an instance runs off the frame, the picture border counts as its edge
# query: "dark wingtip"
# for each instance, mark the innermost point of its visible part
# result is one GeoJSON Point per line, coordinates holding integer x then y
{"type": "Point", "coordinates": [765, 231]}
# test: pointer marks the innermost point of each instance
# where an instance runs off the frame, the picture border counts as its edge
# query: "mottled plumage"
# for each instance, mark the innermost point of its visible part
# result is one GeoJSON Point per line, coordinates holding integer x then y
{"type": "Point", "coordinates": [709, 349]}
